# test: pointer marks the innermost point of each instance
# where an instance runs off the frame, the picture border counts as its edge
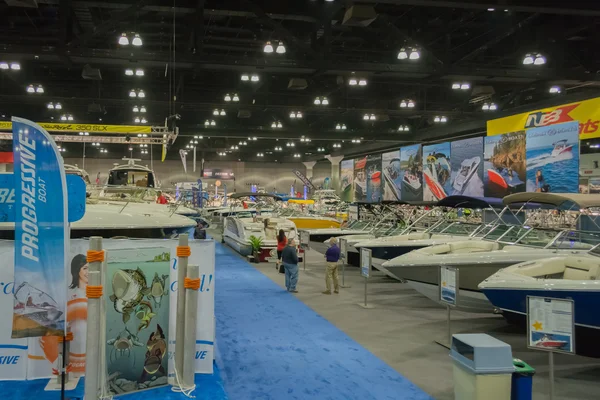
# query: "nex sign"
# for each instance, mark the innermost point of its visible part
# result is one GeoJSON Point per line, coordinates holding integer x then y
{"type": "Point", "coordinates": [557, 116]}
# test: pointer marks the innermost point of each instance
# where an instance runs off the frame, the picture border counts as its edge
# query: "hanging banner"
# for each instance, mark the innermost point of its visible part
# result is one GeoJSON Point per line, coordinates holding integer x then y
{"type": "Point", "coordinates": [412, 173]}
{"type": "Point", "coordinates": [360, 180]}
{"type": "Point", "coordinates": [504, 164]}
{"type": "Point", "coordinates": [304, 179]}
{"type": "Point", "coordinates": [390, 163]}
{"type": "Point", "coordinates": [436, 171]}
{"type": "Point", "coordinates": [346, 180]}
{"type": "Point", "coordinates": [466, 160]}
{"type": "Point", "coordinates": [183, 156]}
{"type": "Point", "coordinates": [586, 113]}
{"type": "Point", "coordinates": [552, 154]}
{"type": "Point", "coordinates": [374, 178]}
{"type": "Point", "coordinates": [91, 128]}
{"type": "Point", "coordinates": [217, 173]}
{"type": "Point", "coordinates": [41, 233]}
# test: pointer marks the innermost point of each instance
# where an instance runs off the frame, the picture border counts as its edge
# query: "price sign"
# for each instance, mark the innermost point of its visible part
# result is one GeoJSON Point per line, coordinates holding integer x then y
{"type": "Point", "coordinates": [448, 285]}
{"type": "Point", "coordinates": [365, 262]}
{"type": "Point", "coordinates": [550, 324]}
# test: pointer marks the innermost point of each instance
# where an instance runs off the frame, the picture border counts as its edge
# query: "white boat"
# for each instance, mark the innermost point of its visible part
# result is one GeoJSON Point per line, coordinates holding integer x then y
{"type": "Point", "coordinates": [573, 277]}
{"type": "Point", "coordinates": [561, 147]}
{"type": "Point", "coordinates": [237, 232]}
{"type": "Point", "coordinates": [500, 247]}
{"type": "Point", "coordinates": [435, 171]}
{"type": "Point", "coordinates": [132, 174]}
{"type": "Point", "coordinates": [319, 237]}
{"type": "Point", "coordinates": [412, 182]}
{"type": "Point", "coordinates": [468, 168]}
{"type": "Point", "coordinates": [75, 170]}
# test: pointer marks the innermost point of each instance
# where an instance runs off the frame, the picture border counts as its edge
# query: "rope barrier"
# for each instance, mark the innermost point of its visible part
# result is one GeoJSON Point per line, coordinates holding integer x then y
{"type": "Point", "coordinates": [184, 251]}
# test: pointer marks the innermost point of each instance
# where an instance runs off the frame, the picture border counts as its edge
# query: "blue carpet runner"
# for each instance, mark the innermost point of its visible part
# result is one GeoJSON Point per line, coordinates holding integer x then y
{"type": "Point", "coordinates": [270, 345]}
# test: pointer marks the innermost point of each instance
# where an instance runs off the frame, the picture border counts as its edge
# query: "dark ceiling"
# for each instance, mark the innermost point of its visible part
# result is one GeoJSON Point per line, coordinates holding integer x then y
{"type": "Point", "coordinates": [194, 53]}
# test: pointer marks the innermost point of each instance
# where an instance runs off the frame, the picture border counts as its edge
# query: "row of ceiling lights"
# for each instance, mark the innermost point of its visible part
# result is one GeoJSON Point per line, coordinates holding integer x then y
{"type": "Point", "coordinates": [15, 66]}
{"type": "Point", "coordinates": [269, 48]}
{"type": "Point", "coordinates": [137, 72]}
{"type": "Point", "coordinates": [139, 120]}
{"type": "Point", "coordinates": [139, 93]}
{"type": "Point", "coordinates": [39, 89]}
{"type": "Point", "coordinates": [136, 39]}
{"type": "Point", "coordinates": [52, 106]}
{"type": "Point", "coordinates": [141, 109]}
{"type": "Point", "coordinates": [250, 78]}
{"type": "Point", "coordinates": [276, 125]}
{"type": "Point", "coordinates": [217, 113]}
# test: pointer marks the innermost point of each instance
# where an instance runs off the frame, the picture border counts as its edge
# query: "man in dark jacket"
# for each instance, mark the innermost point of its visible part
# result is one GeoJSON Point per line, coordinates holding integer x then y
{"type": "Point", "coordinates": [332, 256]}
{"type": "Point", "coordinates": [289, 258]}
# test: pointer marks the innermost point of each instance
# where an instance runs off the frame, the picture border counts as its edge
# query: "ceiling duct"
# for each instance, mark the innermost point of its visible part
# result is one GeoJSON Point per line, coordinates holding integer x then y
{"type": "Point", "coordinates": [359, 15]}
{"type": "Point", "coordinates": [91, 73]}
{"type": "Point", "coordinates": [297, 84]}
{"type": "Point", "coordinates": [244, 114]}
{"type": "Point", "coordinates": [22, 3]}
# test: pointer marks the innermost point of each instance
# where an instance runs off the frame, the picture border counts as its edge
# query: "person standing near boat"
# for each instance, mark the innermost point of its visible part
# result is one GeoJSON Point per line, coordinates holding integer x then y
{"type": "Point", "coordinates": [332, 256]}
{"type": "Point", "coordinates": [281, 243]}
{"type": "Point", "coordinates": [160, 198]}
{"type": "Point", "coordinates": [289, 257]}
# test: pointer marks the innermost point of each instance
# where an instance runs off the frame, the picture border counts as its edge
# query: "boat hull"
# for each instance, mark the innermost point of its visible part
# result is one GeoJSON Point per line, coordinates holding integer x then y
{"type": "Point", "coordinates": [513, 303]}
{"type": "Point", "coordinates": [313, 223]}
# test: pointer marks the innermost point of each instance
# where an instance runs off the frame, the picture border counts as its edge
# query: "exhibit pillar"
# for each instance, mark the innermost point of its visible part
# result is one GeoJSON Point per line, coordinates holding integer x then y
{"type": "Point", "coordinates": [335, 171]}
{"type": "Point", "coordinates": [309, 169]}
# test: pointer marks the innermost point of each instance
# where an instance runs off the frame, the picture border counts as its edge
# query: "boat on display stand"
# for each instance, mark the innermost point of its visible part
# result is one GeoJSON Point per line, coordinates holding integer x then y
{"type": "Point", "coordinates": [495, 247]}
{"type": "Point", "coordinates": [468, 168]}
{"type": "Point", "coordinates": [573, 277]}
{"type": "Point", "coordinates": [561, 147]}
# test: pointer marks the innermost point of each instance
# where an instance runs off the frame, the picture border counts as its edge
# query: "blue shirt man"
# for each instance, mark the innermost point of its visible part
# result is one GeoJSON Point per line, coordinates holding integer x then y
{"type": "Point", "coordinates": [332, 256]}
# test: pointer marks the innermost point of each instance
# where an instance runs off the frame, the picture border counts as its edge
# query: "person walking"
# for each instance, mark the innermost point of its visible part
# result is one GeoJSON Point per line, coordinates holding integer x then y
{"type": "Point", "coordinates": [281, 243]}
{"type": "Point", "coordinates": [289, 257]}
{"type": "Point", "coordinates": [332, 256]}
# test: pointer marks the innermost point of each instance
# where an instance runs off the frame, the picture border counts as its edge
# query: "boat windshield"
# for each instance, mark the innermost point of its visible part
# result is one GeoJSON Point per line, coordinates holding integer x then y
{"type": "Point", "coordinates": [358, 225]}
{"type": "Point", "coordinates": [493, 232]}
{"type": "Point", "coordinates": [460, 228]}
{"type": "Point", "coordinates": [536, 237]}
{"type": "Point", "coordinates": [512, 235]}
{"type": "Point", "coordinates": [576, 240]}
{"type": "Point", "coordinates": [441, 227]}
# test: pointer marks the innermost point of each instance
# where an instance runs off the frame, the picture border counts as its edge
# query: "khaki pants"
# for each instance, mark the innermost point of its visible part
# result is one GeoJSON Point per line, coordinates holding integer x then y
{"type": "Point", "coordinates": [332, 275]}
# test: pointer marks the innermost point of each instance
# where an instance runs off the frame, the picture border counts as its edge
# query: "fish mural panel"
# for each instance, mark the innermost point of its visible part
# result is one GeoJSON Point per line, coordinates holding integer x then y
{"type": "Point", "coordinates": [137, 310]}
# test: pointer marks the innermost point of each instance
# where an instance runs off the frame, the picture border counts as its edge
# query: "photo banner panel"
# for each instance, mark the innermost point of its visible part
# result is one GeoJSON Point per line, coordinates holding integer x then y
{"type": "Point", "coordinates": [504, 169]}
{"type": "Point", "coordinates": [552, 154]}
{"type": "Point", "coordinates": [466, 160]}
{"type": "Point", "coordinates": [392, 173]}
{"type": "Point", "coordinates": [360, 180]}
{"type": "Point", "coordinates": [411, 168]}
{"type": "Point", "coordinates": [436, 171]}
{"type": "Point", "coordinates": [374, 178]}
{"type": "Point", "coordinates": [347, 180]}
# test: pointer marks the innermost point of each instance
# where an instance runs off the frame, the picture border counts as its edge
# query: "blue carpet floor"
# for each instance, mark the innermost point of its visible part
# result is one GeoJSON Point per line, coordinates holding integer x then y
{"type": "Point", "coordinates": [271, 346]}
{"type": "Point", "coordinates": [208, 387]}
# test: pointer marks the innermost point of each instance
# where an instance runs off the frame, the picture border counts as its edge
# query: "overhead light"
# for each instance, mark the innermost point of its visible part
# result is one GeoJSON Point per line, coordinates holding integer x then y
{"type": "Point", "coordinates": [366, 117]}
{"type": "Point", "coordinates": [280, 48]}
{"type": "Point", "coordinates": [63, 117]}
{"type": "Point", "coordinates": [362, 82]}
{"type": "Point", "coordinates": [123, 39]}
{"type": "Point", "coordinates": [343, 127]}
{"type": "Point", "coordinates": [338, 127]}
{"type": "Point", "coordinates": [207, 123]}
{"type": "Point", "coordinates": [51, 106]}
{"type": "Point", "coordinates": [403, 128]}
{"type": "Point", "coordinates": [411, 104]}
{"type": "Point", "coordinates": [414, 54]}
{"type": "Point", "coordinates": [137, 120]}
{"type": "Point", "coordinates": [69, 117]}
{"type": "Point", "coordinates": [15, 66]}
{"type": "Point", "coordinates": [129, 72]}
{"type": "Point", "coordinates": [235, 97]}
{"type": "Point", "coordinates": [141, 94]}
{"type": "Point", "coordinates": [554, 89]}
{"type": "Point", "coordinates": [436, 119]}
{"type": "Point", "coordinates": [292, 115]}
{"type": "Point", "coordinates": [143, 109]}
{"type": "Point", "coordinates": [39, 89]}
{"type": "Point", "coordinates": [137, 40]}
{"type": "Point", "coordinates": [353, 82]}
{"type": "Point", "coordinates": [279, 125]}
{"type": "Point", "coordinates": [30, 89]}
{"type": "Point", "coordinates": [222, 113]}
{"type": "Point", "coordinates": [80, 133]}
{"type": "Point", "coordinates": [213, 123]}
{"type": "Point", "coordinates": [539, 59]}
{"type": "Point", "coordinates": [245, 77]}
{"type": "Point", "coordinates": [215, 112]}
{"type": "Point", "coordinates": [4, 65]}
{"type": "Point", "coordinates": [320, 149]}
{"type": "Point", "coordinates": [255, 78]}
{"type": "Point", "coordinates": [227, 97]}
{"type": "Point", "coordinates": [58, 106]}
{"type": "Point", "coordinates": [493, 107]}
{"type": "Point", "coordinates": [268, 48]}
{"type": "Point", "coordinates": [273, 125]}
{"type": "Point", "coordinates": [132, 93]}
{"type": "Point", "coordinates": [465, 86]}
{"type": "Point", "coordinates": [528, 60]}
{"type": "Point", "coordinates": [485, 107]}
{"type": "Point", "coordinates": [324, 102]}
{"type": "Point", "coordinates": [402, 54]}
{"type": "Point", "coordinates": [259, 154]}
{"type": "Point", "coordinates": [136, 109]}
{"type": "Point", "coordinates": [370, 117]}
{"type": "Point", "coordinates": [254, 138]}
{"type": "Point", "coordinates": [443, 119]}
{"type": "Point", "coordinates": [296, 155]}
{"type": "Point", "coordinates": [491, 9]}
{"type": "Point", "coordinates": [317, 101]}
{"type": "Point", "coordinates": [144, 120]}
{"type": "Point", "coordinates": [456, 86]}
{"type": "Point", "coordinates": [403, 104]}
{"type": "Point", "coordinates": [139, 72]}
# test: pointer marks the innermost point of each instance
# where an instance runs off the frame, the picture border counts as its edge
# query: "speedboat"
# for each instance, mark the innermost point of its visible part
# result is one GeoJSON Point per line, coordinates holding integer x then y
{"type": "Point", "coordinates": [561, 147]}
{"type": "Point", "coordinates": [411, 181]}
{"type": "Point", "coordinates": [436, 172]}
{"type": "Point", "coordinates": [75, 170]}
{"type": "Point", "coordinates": [132, 174]}
{"type": "Point", "coordinates": [573, 277]}
{"type": "Point", "coordinates": [504, 179]}
{"type": "Point", "coordinates": [548, 342]}
{"type": "Point", "coordinates": [468, 168]}
{"type": "Point", "coordinates": [393, 176]}
{"type": "Point", "coordinates": [320, 237]}
{"type": "Point", "coordinates": [237, 231]}
{"type": "Point", "coordinates": [496, 247]}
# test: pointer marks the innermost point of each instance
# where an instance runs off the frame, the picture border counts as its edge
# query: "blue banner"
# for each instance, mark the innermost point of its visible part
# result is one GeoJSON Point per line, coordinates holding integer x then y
{"type": "Point", "coordinates": [41, 233]}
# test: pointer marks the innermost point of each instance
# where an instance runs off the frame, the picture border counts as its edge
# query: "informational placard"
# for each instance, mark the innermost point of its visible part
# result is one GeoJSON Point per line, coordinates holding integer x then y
{"type": "Point", "coordinates": [353, 213]}
{"type": "Point", "coordinates": [343, 248]}
{"type": "Point", "coordinates": [550, 324]}
{"type": "Point", "coordinates": [365, 262]}
{"type": "Point", "coordinates": [304, 238]}
{"type": "Point", "coordinates": [449, 285]}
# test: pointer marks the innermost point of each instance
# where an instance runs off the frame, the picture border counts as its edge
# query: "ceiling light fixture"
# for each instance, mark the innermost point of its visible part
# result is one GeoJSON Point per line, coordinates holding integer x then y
{"type": "Point", "coordinates": [362, 82]}
{"type": "Point", "coordinates": [70, 117]}
{"type": "Point", "coordinates": [280, 48]}
{"type": "Point", "coordinates": [338, 127]}
{"type": "Point", "coordinates": [324, 102]}
{"type": "Point", "coordinates": [213, 123]}
{"type": "Point", "coordinates": [402, 54]}
{"type": "Point", "coordinates": [4, 65]}
{"type": "Point", "coordinates": [222, 113]}
{"type": "Point", "coordinates": [235, 97]}
{"type": "Point", "coordinates": [139, 72]}
{"type": "Point", "coordinates": [144, 120]}
{"type": "Point", "coordinates": [143, 109]}
{"type": "Point", "coordinates": [50, 106]}
{"type": "Point", "coordinates": [528, 59]}
{"type": "Point", "coordinates": [403, 104]}
{"type": "Point", "coordinates": [129, 72]}
{"type": "Point", "coordinates": [207, 123]}
{"type": "Point", "coordinates": [268, 48]}
{"type": "Point", "coordinates": [465, 86]}
{"type": "Point", "coordinates": [123, 39]}
{"type": "Point", "coordinates": [215, 112]}
{"type": "Point", "coordinates": [245, 77]}
{"type": "Point", "coordinates": [132, 93]}
{"type": "Point", "coordinates": [296, 155]}
{"type": "Point", "coordinates": [136, 109]}
{"type": "Point", "coordinates": [279, 125]}
{"type": "Point", "coordinates": [353, 82]}
{"type": "Point", "coordinates": [15, 66]}
{"type": "Point", "coordinates": [58, 106]}
{"type": "Point", "coordinates": [30, 89]}
{"type": "Point", "coordinates": [554, 89]}
{"type": "Point", "coordinates": [137, 40]}
{"type": "Point", "coordinates": [227, 97]}
{"type": "Point", "coordinates": [141, 94]}
{"type": "Point", "coordinates": [255, 78]}
{"type": "Point", "coordinates": [539, 59]}
{"type": "Point", "coordinates": [63, 117]}
{"type": "Point", "coordinates": [137, 120]}
{"type": "Point", "coordinates": [317, 101]}
{"type": "Point", "coordinates": [414, 54]}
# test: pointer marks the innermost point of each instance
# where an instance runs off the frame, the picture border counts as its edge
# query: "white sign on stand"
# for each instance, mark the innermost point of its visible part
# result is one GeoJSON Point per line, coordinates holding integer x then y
{"type": "Point", "coordinates": [304, 245]}
{"type": "Point", "coordinates": [365, 270]}
{"type": "Point", "coordinates": [448, 285]}
{"type": "Point", "coordinates": [551, 328]}
{"type": "Point", "coordinates": [344, 258]}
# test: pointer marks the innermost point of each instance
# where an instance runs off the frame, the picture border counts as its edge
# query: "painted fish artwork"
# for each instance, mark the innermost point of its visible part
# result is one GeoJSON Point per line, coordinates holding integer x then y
{"type": "Point", "coordinates": [122, 344]}
{"type": "Point", "coordinates": [129, 288]}
{"type": "Point", "coordinates": [158, 288]}
{"type": "Point", "coordinates": [156, 350]}
{"type": "Point", "coordinates": [144, 313]}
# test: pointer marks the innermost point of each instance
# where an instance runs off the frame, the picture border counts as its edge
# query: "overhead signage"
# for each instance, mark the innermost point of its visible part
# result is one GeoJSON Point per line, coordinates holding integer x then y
{"type": "Point", "coordinates": [550, 324]}
{"type": "Point", "coordinates": [92, 128]}
{"type": "Point", "coordinates": [42, 233]}
{"type": "Point", "coordinates": [304, 179]}
{"type": "Point", "coordinates": [365, 262]}
{"type": "Point", "coordinates": [586, 112]}
{"type": "Point", "coordinates": [448, 285]}
{"type": "Point", "coordinates": [217, 173]}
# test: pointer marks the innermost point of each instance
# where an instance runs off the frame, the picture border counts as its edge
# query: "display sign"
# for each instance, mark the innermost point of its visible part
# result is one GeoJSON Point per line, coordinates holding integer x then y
{"type": "Point", "coordinates": [467, 167]}
{"type": "Point", "coordinates": [343, 249]}
{"type": "Point", "coordinates": [353, 212]}
{"type": "Point", "coordinates": [586, 112]}
{"type": "Point", "coordinates": [346, 180]}
{"type": "Point", "coordinates": [374, 178]}
{"type": "Point", "coordinates": [436, 171]}
{"type": "Point", "coordinates": [304, 238]}
{"type": "Point", "coordinates": [449, 285]}
{"type": "Point", "coordinates": [390, 166]}
{"type": "Point", "coordinates": [92, 128]}
{"type": "Point", "coordinates": [217, 173]}
{"type": "Point", "coordinates": [304, 179]}
{"type": "Point", "coordinates": [550, 324]}
{"type": "Point", "coordinates": [411, 168]}
{"type": "Point", "coordinates": [365, 262]}
{"type": "Point", "coordinates": [41, 233]}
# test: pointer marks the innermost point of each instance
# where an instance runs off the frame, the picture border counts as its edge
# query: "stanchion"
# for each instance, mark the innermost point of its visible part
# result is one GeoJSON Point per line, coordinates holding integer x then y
{"type": "Point", "coordinates": [183, 252]}
{"type": "Point", "coordinates": [551, 371]}
{"type": "Point", "coordinates": [95, 258]}
{"type": "Point", "coordinates": [344, 257]}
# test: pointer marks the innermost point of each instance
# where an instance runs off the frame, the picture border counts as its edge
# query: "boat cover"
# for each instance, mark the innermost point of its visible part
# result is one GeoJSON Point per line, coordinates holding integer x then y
{"type": "Point", "coordinates": [555, 199]}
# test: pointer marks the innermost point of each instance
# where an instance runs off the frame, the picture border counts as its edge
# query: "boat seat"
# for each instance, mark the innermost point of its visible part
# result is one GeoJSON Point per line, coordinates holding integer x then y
{"type": "Point", "coordinates": [472, 246]}
{"type": "Point", "coordinates": [580, 272]}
